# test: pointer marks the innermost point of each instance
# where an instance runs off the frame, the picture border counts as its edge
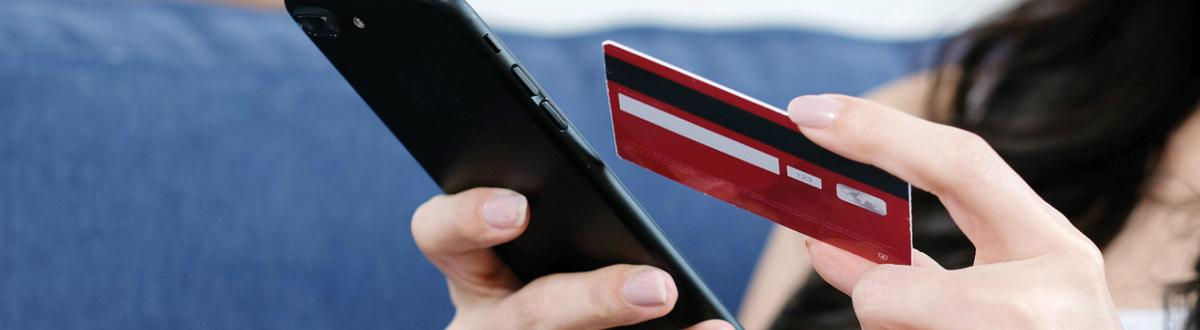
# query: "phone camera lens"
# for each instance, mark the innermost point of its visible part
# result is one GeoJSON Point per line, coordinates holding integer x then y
{"type": "Point", "coordinates": [318, 25]}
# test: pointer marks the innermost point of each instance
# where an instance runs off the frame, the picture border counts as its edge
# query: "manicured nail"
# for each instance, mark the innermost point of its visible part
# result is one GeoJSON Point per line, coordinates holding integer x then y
{"type": "Point", "coordinates": [505, 210]}
{"type": "Point", "coordinates": [814, 111]}
{"type": "Point", "coordinates": [646, 288]}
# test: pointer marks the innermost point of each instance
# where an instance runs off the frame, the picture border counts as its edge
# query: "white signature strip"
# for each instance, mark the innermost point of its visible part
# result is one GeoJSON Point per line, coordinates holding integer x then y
{"type": "Point", "coordinates": [699, 134]}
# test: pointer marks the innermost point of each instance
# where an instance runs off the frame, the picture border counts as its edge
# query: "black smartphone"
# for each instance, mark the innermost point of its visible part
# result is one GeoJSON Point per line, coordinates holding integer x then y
{"type": "Point", "coordinates": [472, 116]}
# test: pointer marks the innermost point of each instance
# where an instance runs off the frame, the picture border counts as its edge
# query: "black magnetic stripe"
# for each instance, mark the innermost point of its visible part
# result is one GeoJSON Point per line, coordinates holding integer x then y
{"type": "Point", "coordinates": [748, 124]}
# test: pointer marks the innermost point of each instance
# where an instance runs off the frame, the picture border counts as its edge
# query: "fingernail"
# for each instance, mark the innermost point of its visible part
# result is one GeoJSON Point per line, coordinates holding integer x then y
{"type": "Point", "coordinates": [505, 210]}
{"type": "Point", "coordinates": [814, 111]}
{"type": "Point", "coordinates": [647, 288]}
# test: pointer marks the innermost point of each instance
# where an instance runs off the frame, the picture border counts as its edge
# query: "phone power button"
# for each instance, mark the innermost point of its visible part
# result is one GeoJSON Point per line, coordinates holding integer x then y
{"type": "Point", "coordinates": [524, 81]}
{"type": "Point", "coordinates": [555, 115]}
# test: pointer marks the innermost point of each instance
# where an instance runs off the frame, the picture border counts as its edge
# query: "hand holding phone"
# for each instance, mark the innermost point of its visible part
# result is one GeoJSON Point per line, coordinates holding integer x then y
{"type": "Point", "coordinates": [457, 233]}
{"type": "Point", "coordinates": [471, 114]}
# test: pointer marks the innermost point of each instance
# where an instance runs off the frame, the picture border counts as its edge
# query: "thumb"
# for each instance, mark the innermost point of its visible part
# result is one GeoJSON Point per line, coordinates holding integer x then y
{"type": "Point", "coordinates": [840, 268]}
{"type": "Point", "coordinates": [887, 296]}
{"type": "Point", "coordinates": [608, 297]}
{"type": "Point", "coordinates": [843, 269]}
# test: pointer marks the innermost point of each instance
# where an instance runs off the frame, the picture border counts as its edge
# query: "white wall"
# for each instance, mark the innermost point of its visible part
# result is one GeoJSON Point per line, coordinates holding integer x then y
{"type": "Point", "coordinates": [881, 19]}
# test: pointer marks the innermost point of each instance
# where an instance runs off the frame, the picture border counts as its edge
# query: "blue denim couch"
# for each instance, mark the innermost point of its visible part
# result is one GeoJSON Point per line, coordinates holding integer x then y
{"type": "Point", "coordinates": [169, 165]}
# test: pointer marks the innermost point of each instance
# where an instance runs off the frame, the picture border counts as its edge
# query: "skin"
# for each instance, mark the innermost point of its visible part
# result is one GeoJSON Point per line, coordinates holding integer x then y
{"type": "Point", "coordinates": [1033, 268]}
{"type": "Point", "coordinates": [784, 265]}
{"type": "Point", "coordinates": [1070, 279]}
{"type": "Point", "coordinates": [1156, 249]}
{"type": "Point", "coordinates": [764, 299]}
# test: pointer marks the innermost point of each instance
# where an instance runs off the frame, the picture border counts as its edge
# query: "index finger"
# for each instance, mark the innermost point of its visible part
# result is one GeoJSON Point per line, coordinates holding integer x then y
{"type": "Point", "coordinates": [456, 233]}
{"type": "Point", "coordinates": [994, 207]}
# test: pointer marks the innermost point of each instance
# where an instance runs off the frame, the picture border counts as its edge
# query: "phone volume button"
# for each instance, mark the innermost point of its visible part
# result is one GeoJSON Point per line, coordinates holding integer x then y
{"type": "Point", "coordinates": [555, 115]}
{"type": "Point", "coordinates": [524, 80]}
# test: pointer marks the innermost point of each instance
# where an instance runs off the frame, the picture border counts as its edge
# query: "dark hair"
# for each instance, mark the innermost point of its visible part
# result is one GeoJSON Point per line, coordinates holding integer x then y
{"type": "Point", "coordinates": [1079, 96]}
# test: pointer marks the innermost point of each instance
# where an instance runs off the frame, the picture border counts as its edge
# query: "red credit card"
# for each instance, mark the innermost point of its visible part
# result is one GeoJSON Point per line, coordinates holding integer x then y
{"type": "Point", "coordinates": [749, 154]}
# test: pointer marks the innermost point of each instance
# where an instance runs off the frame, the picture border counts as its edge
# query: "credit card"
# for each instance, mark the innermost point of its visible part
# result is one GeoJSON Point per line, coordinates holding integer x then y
{"type": "Point", "coordinates": [745, 152]}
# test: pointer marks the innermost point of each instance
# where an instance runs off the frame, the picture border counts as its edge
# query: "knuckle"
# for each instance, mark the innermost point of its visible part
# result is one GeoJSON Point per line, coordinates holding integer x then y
{"type": "Point", "coordinates": [426, 209]}
{"type": "Point", "coordinates": [423, 219]}
{"type": "Point", "coordinates": [866, 131]}
{"type": "Point", "coordinates": [871, 288]}
{"type": "Point", "coordinates": [1024, 312]}
{"type": "Point", "coordinates": [605, 295]}
{"type": "Point", "coordinates": [1092, 254]}
{"type": "Point", "coordinates": [604, 306]}
{"type": "Point", "coordinates": [1044, 304]}
{"type": "Point", "coordinates": [1026, 308]}
{"type": "Point", "coordinates": [529, 308]}
{"type": "Point", "coordinates": [577, 299]}
{"type": "Point", "coordinates": [971, 159]}
{"type": "Point", "coordinates": [447, 223]}
{"type": "Point", "coordinates": [1086, 257]}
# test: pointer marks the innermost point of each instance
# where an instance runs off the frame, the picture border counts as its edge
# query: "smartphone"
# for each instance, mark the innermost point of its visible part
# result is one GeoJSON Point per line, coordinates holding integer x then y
{"type": "Point", "coordinates": [473, 116]}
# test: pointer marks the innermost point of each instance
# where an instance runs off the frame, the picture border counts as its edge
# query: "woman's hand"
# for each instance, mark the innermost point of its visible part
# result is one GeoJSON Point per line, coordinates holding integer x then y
{"type": "Point", "coordinates": [457, 233]}
{"type": "Point", "coordinates": [1032, 269]}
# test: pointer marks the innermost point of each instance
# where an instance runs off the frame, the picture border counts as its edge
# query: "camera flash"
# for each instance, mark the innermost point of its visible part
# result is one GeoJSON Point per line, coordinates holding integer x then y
{"type": "Point", "coordinates": [358, 22]}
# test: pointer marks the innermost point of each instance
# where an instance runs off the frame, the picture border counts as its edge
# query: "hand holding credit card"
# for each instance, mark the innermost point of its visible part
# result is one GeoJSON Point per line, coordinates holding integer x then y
{"type": "Point", "coordinates": [749, 154]}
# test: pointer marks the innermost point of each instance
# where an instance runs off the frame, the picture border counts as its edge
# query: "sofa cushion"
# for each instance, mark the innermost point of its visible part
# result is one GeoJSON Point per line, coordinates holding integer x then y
{"type": "Point", "coordinates": [168, 165]}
